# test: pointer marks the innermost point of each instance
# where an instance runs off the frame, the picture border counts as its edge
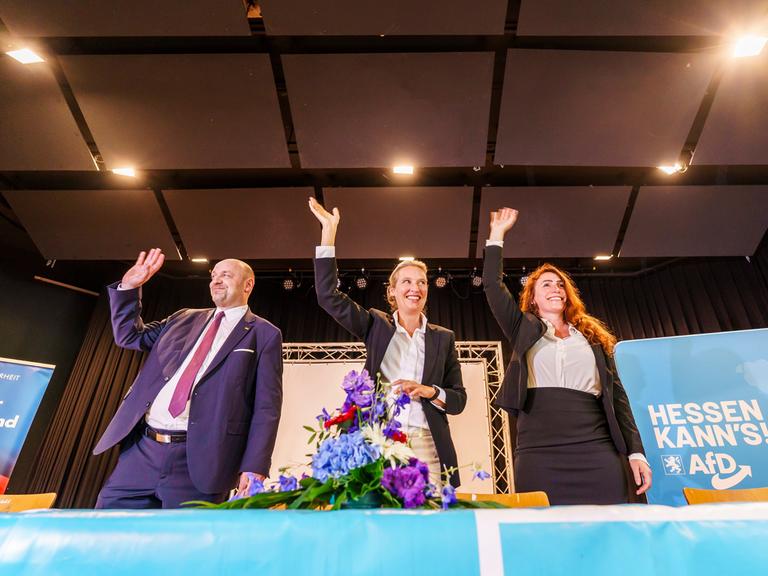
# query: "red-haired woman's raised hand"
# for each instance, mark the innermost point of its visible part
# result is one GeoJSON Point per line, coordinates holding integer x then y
{"type": "Point", "coordinates": [502, 221]}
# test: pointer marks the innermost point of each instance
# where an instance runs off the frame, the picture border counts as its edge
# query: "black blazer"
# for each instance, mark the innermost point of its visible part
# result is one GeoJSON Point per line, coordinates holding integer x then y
{"type": "Point", "coordinates": [376, 328]}
{"type": "Point", "coordinates": [523, 330]}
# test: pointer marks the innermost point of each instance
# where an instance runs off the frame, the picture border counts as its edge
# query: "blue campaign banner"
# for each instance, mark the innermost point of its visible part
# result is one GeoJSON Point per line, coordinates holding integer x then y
{"type": "Point", "coordinates": [700, 403]}
{"type": "Point", "coordinates": [22, 385]}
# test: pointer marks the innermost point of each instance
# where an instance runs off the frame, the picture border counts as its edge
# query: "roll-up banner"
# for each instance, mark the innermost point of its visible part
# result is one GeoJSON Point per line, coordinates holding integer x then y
{"type": "Point", "coordinates": [22, 385]}
{"type": "Point", "coordinates": [701, 404]}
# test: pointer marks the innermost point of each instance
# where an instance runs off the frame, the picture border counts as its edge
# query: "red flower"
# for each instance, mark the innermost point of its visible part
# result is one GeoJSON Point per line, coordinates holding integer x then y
{"type": "Point", "coordinates": [343, 417]}
{"type": "Point", "coordinates": [399, 436]}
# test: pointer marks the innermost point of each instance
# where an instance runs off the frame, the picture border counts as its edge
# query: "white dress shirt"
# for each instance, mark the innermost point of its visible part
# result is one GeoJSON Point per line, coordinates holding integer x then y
{"type": "Point", "coordinates": [158, 416]}
{"type": "Point", "coordinates": [404, 360]}
{"type": "Point", "coordinates": [555, 362]}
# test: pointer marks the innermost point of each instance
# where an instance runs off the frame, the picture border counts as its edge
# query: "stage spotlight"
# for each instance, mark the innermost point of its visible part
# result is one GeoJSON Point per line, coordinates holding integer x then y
{"type": "Point", "coordinates": [523, 280]}
{"type": "Point", "coordinates": [361, 280]}
{"type": "Point", "coordinates": [290, 282]}
{"type": "Point", "coordinates": [441, 280]}
{"type": "Point", "coordinates": [476, 279]}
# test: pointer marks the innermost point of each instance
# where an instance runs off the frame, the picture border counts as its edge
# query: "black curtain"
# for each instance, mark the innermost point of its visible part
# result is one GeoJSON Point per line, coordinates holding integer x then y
{"type": "Point", "coordinates": [687, 297]}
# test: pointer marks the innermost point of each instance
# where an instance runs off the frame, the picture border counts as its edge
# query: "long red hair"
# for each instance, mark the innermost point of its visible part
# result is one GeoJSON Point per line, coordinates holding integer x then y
{"type": "Point", "coordinates": [594, 330]}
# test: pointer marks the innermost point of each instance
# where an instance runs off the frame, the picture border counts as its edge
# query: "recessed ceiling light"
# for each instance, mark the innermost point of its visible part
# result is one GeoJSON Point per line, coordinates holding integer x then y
{"type": "Point", "coordinates": [403, 169]}
{"type": "Point", "coordinates": [25, 56]}
{"type": "Point", "coordinates": [125, 172]}
{"type": "Point", "coordinates": [671, 169]}
{"type": "Point", "coordinates": [407, 258]}
{"type": "Point", "coordinates": [603, 256]}
{"type": "Point", "coordinates": [748, 46]}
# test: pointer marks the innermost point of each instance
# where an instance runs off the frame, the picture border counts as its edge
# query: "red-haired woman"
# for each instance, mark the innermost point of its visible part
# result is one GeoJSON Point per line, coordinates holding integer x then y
{"type": "Point", "coordinates": [574, 423]}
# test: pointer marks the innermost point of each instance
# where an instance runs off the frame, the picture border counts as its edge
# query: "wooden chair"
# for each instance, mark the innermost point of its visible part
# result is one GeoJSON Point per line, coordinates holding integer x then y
{"type": "Point", "coordinates": [702, 496]}
{"type": "Point", "coordinates": [514, 500]}
{"type": "Point", "coordinates": [21, 502]}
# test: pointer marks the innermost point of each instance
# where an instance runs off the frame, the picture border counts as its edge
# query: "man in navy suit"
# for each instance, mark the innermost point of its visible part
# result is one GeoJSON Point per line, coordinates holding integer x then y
{"type": "Point", "coordinates": [201, 417]}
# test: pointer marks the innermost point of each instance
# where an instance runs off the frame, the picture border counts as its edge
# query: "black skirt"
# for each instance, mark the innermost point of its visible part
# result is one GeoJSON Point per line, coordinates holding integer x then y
{"type": "Point", "coordinates": [564, 448]}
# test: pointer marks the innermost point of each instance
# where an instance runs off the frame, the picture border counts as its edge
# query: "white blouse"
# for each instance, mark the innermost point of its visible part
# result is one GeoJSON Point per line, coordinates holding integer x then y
{"type": "Point", "coordinates": [563, 362]}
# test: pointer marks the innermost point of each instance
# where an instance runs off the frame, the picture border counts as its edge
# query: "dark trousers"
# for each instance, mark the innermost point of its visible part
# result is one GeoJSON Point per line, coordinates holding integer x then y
{"type": "Point", "coordinates": [152, 475]}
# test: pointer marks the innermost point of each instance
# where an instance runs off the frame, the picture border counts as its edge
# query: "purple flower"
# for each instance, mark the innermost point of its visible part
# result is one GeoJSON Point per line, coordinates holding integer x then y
{"type": "Point", "coordinates": [400, 402]}
{"type": "Point", "coordinates": [323, 417]}
{"type": "Point", "coordinates": [481, 475]}
{"type": "Point", "coordinates": [448, 496]}
{"type": "Point", "coordinates": [391, 427]}
{"type": "Point", "coordinates": [288, 483]}
{"type": "Point", "coordinates": [421, 467]}
{"type": "Point", "coordinates": [256, 487]}
{"type": "Point", "coordinates": [406, 483]}
{"type": "Point", "coordinates": [359, 389]}
{"type": "Point", "coordinates": [378, 412]}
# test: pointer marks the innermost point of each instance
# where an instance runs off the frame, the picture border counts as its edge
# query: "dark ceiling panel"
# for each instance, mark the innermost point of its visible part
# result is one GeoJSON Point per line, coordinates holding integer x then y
{"type": "Point", "coordinates": [256, 223]}
{"type": "Point", "coordinates": [576, 108]}
{"type": "Point", "coordinates": [377, 18]}
{"type": "Point", "coordinates": [735, 131]}
{"type": "Point", "coordinates": [697, 221]}
{"type": "Point", "coordinates": [637, 17]}
{"type": "Point", "coordinates": [181, 111]}
{"type": "Point", "coordinates": [371, 110]}
{"type": "Point", "coordinates": [556, 222]}
{"type": "Point", "coordinates": [392, 222]}
{"type": "Point", "coordinates": [92, 224]}
{"type": "Point", "coordinates": [125, 17]}
{"type": "Point", "coordinates": [37, 131]}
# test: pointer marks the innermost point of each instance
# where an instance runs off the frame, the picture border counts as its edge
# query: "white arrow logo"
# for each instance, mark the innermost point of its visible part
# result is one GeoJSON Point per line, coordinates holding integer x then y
{"type": "Point", "coordinates": [725, 483]}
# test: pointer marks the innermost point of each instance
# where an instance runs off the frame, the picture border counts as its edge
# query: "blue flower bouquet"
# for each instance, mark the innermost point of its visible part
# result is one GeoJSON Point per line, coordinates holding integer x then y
{"type": "Point", "coordinates": [361, 459]}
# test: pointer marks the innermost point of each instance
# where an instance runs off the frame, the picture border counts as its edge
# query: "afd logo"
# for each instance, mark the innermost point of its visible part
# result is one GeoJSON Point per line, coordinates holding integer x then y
{"type": "Point", "coordinates": [725, 472]}
{"type": "Point", "coordinates": [673, 464]}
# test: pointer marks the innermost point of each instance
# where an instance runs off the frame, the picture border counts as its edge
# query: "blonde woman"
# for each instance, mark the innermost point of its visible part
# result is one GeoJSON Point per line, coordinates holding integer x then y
{"type": "Point", "coordinates": [416, 357]}
{"type": "Point", "coordinates": [574, 423]}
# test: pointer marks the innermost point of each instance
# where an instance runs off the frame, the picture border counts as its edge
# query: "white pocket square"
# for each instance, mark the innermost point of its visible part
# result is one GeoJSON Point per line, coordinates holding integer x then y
{"type": "Point", "coordinates": [243, 350]}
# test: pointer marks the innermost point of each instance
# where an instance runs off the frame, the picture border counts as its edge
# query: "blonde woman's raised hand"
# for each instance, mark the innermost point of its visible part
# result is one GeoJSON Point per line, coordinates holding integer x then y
{"type": "Point", "coordinates": [328, 220]}
{"type": "Point", "coordinates": [502, 221]}
{"type": "Point", "coordinates": [147, 264]}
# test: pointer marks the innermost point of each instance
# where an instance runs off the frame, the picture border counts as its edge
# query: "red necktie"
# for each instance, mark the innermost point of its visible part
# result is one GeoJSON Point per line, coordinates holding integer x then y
{"type": "Point", "coordinates": [187, 380]}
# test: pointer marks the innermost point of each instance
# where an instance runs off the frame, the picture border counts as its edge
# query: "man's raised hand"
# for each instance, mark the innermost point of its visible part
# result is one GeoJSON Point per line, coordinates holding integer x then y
{"type": "Point", "coordinates": [146, 265]}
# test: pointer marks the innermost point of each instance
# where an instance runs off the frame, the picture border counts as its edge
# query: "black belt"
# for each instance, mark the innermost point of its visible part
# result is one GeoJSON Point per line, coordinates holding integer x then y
{"type": "Point", "coordinates": [165, 438]}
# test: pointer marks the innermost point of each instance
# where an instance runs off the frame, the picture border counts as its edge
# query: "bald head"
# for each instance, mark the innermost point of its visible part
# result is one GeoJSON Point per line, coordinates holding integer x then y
{"type": "Point", "coordinates": [231, 283]}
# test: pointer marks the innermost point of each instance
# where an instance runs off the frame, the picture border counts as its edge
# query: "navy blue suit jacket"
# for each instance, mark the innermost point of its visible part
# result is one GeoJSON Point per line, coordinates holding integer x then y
{"type": "Point", "coordinates": [235, 406]}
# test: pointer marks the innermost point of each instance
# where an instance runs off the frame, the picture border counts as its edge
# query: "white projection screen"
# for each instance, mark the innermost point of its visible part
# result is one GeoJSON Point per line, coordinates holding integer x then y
{"type": "Point", "coordinates": [312, 377]}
